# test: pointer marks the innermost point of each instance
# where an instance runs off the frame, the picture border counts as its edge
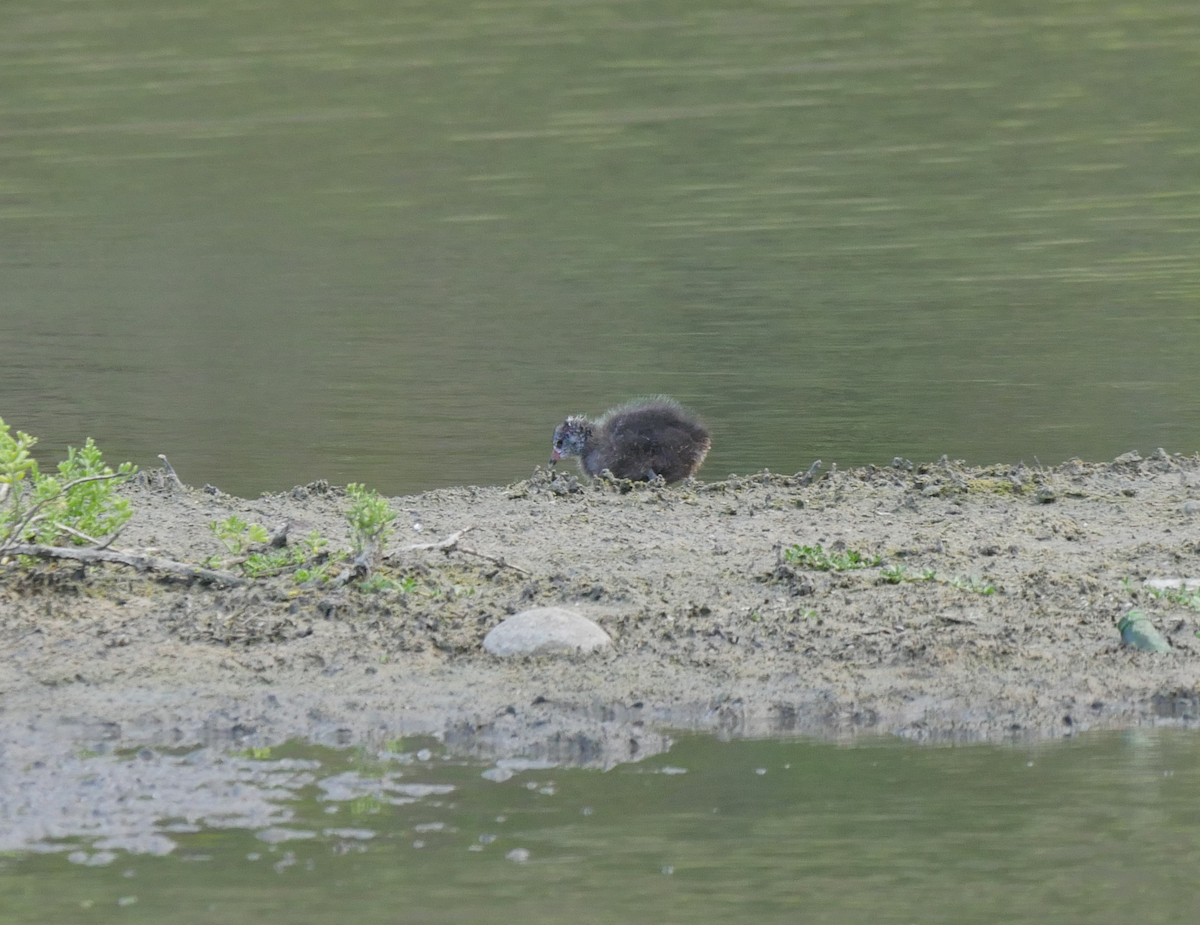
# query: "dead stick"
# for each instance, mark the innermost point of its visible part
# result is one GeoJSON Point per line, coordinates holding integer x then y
{"type": "Point", "coordinates": [112, 539]}
{"type": "Point", "coordinates": [79, 534]}
{"type": "Point", "coordinates": [141, 563]}
{"type": "Point", "coordinates": [170, 470]}
{"type": "Point", "coordinates": [811, 474]}
{"type": "Point", "coordinates": [450, 544]}
{"type": "Point", "coordinates": [493, 559]}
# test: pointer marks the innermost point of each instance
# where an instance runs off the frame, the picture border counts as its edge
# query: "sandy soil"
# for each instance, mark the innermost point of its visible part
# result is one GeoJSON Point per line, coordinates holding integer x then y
{"type": "Point", "coordinates": [714, 628]}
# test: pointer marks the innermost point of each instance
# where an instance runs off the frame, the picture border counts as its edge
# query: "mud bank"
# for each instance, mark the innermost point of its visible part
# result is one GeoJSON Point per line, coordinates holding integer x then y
{"type": "Point", "coordinates": [991, 614]}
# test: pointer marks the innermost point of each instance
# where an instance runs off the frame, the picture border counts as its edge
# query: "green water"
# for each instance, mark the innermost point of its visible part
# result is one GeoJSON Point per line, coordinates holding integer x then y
{"type": "Point", "coordinates": [396, 242]}
{"type": "Point", "coordinates": [1098, 830]}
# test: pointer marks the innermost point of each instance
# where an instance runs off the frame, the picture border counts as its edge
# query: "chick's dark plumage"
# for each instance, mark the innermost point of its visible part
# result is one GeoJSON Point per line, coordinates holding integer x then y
{"type": "Point", "coordinates": [639, 441]}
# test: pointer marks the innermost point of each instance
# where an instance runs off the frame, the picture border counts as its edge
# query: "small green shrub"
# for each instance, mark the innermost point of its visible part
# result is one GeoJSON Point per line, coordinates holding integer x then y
{"type": "Point", "coordinates": [370, 519]}
{"type": "Point", "coordinates": [307, 558]}
{"type": "Point", "coordinates": [236, 535]}
{"type": "Point", "coordinates": [76, 506]}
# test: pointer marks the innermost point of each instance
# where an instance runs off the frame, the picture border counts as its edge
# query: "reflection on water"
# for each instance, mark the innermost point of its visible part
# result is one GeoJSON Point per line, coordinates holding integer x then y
{"type": "Point", "coordinates": [396, 242]}
{"type": "Point", "coordinates": [1101, 829]}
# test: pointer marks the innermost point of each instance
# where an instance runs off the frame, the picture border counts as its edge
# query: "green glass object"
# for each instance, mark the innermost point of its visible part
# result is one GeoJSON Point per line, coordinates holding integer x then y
{"type": "Point", "coordinates": [1139, 632]}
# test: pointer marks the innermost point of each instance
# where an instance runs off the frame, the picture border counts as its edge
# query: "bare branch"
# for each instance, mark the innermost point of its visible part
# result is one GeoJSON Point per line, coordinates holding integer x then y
{"type": "Point", "coordinates": [450, 544]}
{"type": "Point", "coordinates": [495, 560]}
{"type": "Point", "coordinates": [89, 478]}
{"type": "Point", "coordinates": [142, 563]}
{"type": "Point", "coordinates": [79, 534]}
{"type": "Point", "coordinates": [359, 569]}
{"type": "Point", "coordinates": [811, 474]}
{"type": "Point", "coordinates": [112, 539]}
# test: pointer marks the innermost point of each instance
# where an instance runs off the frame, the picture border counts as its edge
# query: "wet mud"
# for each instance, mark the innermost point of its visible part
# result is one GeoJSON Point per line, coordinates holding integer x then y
{"type": "Point", "coordinates": [963, 604]}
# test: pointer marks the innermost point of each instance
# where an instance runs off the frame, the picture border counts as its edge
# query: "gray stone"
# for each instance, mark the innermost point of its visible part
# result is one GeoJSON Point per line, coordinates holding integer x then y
{"type": "Point", "coordinates": [546, 631]}
{"type": "Point", "coordinates": [1167, 584]}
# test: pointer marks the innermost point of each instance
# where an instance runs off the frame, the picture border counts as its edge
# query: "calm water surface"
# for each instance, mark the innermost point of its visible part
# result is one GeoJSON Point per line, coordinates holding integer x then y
{"type": "Point", "coordinates": [1098, 830]}
{"type": "Point", "coordinates": [395, 241]}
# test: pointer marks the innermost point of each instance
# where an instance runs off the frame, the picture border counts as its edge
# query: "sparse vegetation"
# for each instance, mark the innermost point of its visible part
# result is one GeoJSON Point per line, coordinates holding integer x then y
{"type": "Point", "coordinates": [236, 535]}
{"type": "Point", "coordinates": [815, 557]}
{"type": "Point", "coordinates": [307, 559]}
{"type": "Point", "coordinates": [1188, 597]}
{"type": "Point", "coordinates": [895, 574]}
{"type": "Point", "coordinates": [972, 584]}
{"type": "Point", "coordinates": [1181, 596]}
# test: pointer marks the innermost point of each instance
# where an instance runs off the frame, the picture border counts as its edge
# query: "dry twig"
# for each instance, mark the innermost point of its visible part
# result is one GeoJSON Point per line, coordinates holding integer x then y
{"type": "Point", "coordinates": [450, 544]}
{"type": "Point", "coordinates": [811, 474]}
{"type": "Point", "coordinates": [170, 471]}
{"type": "Point", "coordinates": [142, 563]}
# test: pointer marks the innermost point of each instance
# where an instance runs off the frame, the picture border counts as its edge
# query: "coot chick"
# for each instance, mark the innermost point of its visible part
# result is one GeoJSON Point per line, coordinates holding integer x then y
{"type": "Point", "coordinates": [638, 441]}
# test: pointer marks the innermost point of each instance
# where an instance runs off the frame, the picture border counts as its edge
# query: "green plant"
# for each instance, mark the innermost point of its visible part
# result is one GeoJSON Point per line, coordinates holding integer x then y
{"type": "Point", "coordinates": [973, 584]}
{"type": "Point", "coordinates": [78, 505]}
{"type": "Point", "coordinates": [1189, 597]}
{"type": "Point", "coordinates": [370, 519]}
{"type": "Point", "coordinates": [307, 558]}
{"type": "Point", "coordinates": [895, 574]}
{"type": "Point", "coordinates": [815, 557]}
{"type": "Point", "coordinates": [374, 583]}
{"type": "Point", "coordinates": [237, 535]}
{"type": "Point", "coordinates": [89, 505]}
{"type": "Point", "coordinates": [272, 562]}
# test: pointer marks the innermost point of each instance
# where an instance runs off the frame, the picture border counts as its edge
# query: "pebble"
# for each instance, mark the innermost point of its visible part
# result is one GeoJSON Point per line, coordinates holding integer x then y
{"type": "Point", "coordinates": [546, 631]}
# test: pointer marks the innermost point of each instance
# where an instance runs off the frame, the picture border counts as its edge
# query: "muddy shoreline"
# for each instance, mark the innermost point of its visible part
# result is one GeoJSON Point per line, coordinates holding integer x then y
{"type": "Point", "coordinates": [991, 615]}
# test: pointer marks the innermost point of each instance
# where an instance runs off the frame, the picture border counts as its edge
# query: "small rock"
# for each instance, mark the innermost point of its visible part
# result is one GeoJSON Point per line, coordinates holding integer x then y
{"type": "Point", "coordinates": [1191, 507]}
{"type": "Point", "coordinates": [546, 631]}
{"type": "Point", "coordinates": [1046, 495]}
